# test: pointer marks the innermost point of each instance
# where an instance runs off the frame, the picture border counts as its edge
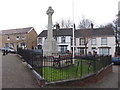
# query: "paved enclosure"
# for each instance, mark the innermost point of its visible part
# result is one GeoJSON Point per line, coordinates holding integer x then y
{"type": "Point", "coordinates": [15, 74]}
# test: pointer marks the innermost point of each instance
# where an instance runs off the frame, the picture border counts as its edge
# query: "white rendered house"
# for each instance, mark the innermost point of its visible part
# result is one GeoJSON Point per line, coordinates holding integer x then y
{"type": "Point", "coordinates": [101, 40]}
{"type": "Point", "coordinates": [63, 37]}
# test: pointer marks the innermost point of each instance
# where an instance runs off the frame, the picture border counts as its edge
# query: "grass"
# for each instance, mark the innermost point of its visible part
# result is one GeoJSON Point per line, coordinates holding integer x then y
{"type": "Point", "coordinates": [70, 72]}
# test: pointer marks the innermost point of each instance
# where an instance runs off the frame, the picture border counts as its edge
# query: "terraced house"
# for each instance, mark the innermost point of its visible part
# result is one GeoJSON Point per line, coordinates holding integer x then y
{"type": "Point", "coordinates": [101, 40]}
{"type": "Point", "coordinates": [21, 37]}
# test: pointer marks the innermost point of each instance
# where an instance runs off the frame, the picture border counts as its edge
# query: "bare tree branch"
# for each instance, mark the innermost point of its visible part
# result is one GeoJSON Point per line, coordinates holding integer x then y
{"type": "Point", "coordinates": [84, 23]}
{"type": "Point", "coordinates": [65, 23]}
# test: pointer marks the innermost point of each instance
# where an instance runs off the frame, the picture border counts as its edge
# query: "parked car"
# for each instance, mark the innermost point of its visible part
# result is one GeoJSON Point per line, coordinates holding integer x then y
{"type": "Point", "coordinates": [116, 60]}
{"type": "Point", "coordinates": [10, 50]}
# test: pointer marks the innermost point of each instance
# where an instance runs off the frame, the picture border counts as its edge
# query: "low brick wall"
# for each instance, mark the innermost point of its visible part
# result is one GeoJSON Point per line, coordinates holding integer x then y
{"type": "Point", "coordinates": [83, 81]}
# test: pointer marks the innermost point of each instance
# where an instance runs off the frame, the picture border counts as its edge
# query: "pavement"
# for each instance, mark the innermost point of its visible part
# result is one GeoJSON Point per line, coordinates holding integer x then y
{"type": "Point", "coordinates": [0, 71]}
{"type": "Point", "coordinates": [110, 81]}
{"type": "Point", "coordinates": [15, 74]}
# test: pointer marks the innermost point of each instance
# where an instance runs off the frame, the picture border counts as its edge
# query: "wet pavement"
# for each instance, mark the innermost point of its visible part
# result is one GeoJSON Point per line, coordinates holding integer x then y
{"type": "Point", "coordinates": [110, 81]}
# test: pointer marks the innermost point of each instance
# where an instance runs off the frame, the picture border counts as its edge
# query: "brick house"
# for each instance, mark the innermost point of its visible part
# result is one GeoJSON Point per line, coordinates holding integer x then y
{"type": "Point", "coordinates": [21, 37]}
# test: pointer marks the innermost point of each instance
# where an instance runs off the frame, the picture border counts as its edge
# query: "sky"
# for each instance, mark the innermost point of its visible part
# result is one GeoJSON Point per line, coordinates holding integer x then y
{"type": "Point", "coordinates": [32, 13]}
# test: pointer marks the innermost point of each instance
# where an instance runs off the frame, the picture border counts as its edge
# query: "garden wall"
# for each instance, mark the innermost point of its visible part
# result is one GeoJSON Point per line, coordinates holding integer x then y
{"type": "Point", "coordinates": [93, 78]}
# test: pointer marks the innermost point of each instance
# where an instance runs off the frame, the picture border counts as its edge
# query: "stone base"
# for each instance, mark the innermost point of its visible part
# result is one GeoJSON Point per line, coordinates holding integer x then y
{"type": "Point", "coordinates": [50, 47]}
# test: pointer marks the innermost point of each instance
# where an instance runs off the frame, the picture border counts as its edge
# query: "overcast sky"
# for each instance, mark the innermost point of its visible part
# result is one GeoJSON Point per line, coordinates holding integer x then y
{"type": "Point", "coordinates": [32, 13]}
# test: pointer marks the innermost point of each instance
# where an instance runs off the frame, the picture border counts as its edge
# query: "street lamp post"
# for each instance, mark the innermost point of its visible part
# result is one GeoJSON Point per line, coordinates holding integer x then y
{"type": "Point", "coordinates": [117, 49]}
{"type": "Point", "coordinates": [73, 29]}
{"type": "Point", "coordinates": [116, 38]}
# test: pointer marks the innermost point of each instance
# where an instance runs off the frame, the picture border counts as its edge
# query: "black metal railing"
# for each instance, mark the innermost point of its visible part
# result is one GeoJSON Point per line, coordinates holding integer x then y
{"type": "Point", "coordinates": [32, 57]}
{"type": "Point", "coordinates": [63, 66]}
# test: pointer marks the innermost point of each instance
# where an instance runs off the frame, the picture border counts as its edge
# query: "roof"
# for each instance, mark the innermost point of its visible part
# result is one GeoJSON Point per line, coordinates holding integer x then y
{"type": "Point", "coordinates": [18, 30]}
{"type": "Point", "coordinates": [80, 32]}
{"type": "Point", "coordinates": [97, 32]}
{"type": "Point", "coordinates": [60, 32]}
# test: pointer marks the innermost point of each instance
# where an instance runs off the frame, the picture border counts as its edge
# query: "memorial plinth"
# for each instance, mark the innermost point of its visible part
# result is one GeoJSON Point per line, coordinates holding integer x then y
{"type": "Point", "coordinates": [50, 44]}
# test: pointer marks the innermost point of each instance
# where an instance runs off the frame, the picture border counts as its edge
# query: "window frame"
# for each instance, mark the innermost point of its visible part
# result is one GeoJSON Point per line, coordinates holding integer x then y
{"type": "Point", "coordinates": [17, 37]}
{"type": "Point", "coordinates": [93, 41]}
{"type": "Point", "coordinates": [103, 42]}
{"type": "Point", "coordinates": [82, 42]}
{"type": "Point", "coordinates": [63, 39]}
{"type": "Point", "coordinates": [40, 40]}
{"type": "Point", "coordinates": [23, 36]}
{"type": "Point", "coordinates": [8, 37]}
{"type": "Point", "coordinates": [102, 51]}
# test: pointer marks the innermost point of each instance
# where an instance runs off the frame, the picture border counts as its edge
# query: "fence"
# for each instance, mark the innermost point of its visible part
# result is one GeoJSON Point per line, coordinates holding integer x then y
{"type": "Point", "coordinates": [32, 57]}
{"type": "Point", "coordinates": [62, 67]}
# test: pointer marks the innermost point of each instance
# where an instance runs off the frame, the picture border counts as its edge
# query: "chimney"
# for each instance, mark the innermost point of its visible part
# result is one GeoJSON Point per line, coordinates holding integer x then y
{"type": "Point", "coordinates": [92, 25]}
{"type": "Point", "coordinates": [57, 26]}
{"type": "Point", "coordinates": [74, 26]}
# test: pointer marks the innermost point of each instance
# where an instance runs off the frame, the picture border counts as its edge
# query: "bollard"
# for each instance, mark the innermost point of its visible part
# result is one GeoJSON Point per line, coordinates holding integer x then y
{"type": "Point", "coordinates": [3, 52]}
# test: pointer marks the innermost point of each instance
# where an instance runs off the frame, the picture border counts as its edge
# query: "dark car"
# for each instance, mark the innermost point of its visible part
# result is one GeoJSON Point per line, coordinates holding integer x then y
{"type": "Point", "coordinates": [116, 60]}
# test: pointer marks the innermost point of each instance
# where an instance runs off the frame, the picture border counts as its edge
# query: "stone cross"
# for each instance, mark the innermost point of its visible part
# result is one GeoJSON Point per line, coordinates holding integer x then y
{"type": "Point", "coordinates": [50, 44]}
{"type": "Point", "coordinates": [50, 12]}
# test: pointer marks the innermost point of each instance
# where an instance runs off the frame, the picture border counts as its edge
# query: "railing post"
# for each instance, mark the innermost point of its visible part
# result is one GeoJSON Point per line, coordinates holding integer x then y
{"type": "Point", "coordinates": [94, 67]}
{"type": "Point", "coordinates": [81, 67]}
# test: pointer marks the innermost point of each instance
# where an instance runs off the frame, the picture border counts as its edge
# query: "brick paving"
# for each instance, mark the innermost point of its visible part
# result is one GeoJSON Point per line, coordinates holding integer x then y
{"type": "Point", "coordinates": [15, 74]}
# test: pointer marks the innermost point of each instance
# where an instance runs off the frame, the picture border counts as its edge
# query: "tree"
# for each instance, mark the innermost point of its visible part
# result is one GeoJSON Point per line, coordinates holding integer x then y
{"type": "Point", "coordinates": [64, 23]}
{"type": "Point", "coordinates": [84, 23]}
{"type": "Point", "coordinates": [110, 25]}
{"type": "Point", "coordinates": [87, 36]}
{"type": "Point", "coordinates": [87, 24]}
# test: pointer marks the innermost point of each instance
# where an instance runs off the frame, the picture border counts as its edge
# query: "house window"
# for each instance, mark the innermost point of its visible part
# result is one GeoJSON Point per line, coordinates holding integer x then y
{"type": "Point", "coordinates": [23, 44]}
{"type": "Point", "coordinates": [82, 41]}
{"type": "Point", "coordinates": [6, 45]}
{"type": "Point", "coordinates": [8, 37]}
{"type": "Point", "coordinates": [104, 51]}
{"type": "Point", "coordinates": [23, 36]}
{"type": "Point", "coordinates": [11, 45]}
{"type": "Point", "coordinates": [81, 51]}
{"type": "Point", "coordinates": [17, 37]}
{"type": "Point", "coordinates": [103, 41]}
{"type": "Point", "coordinates": [93, 41]}
{"type": "Point", "coordinates": [63, 39]}
{"type": "Point", "coordinates": [39, 40]}
{"type": "Point", "coordinates": [63, 48]}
